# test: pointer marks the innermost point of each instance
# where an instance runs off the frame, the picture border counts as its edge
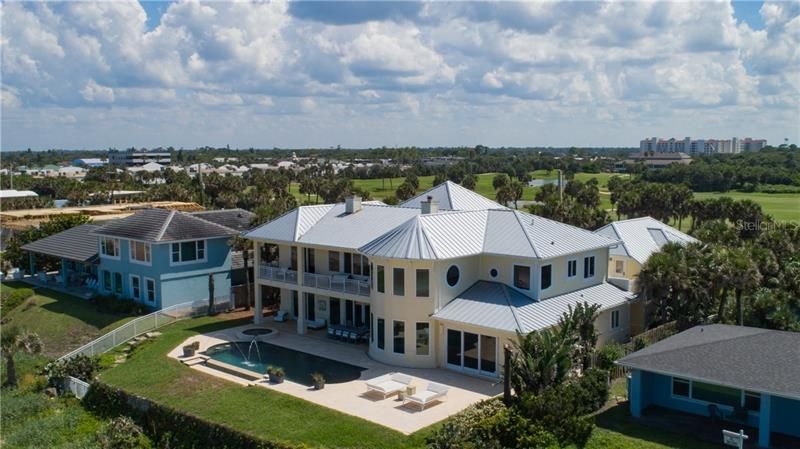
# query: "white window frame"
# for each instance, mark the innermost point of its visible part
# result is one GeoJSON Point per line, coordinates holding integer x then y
{"type": "Point", "coordinates": [180, 254]}
{"type": "Point", "coordinates": [108, 287]}
{"type": "Point", "coordinates": [593, 267]}
{"type": "Point", "coordinates": [394, 349]}
{"type": "Point", "coordinates": [148, 251]}
{"type": "Point", "coordinates": [619, 267]}
{"type": "Point", "coordinates": [103, 253]}
{"type": "Point", "coordinates": [460, 277]}
{"type": "Point", "coordinates": [147, 290]}
{"type": "Point", "coordinates": [575, 273]}
{"type": "Point", "coordinates": [615, 318]}
{"type": "Point", "coordinates": [131, 278]}
{"type": "Point", "coordinates": [416, 339]}
{"type": "Point", "coordinates": [723, 407]}
{"type": "Point", "coordinates": [514, 276]}
{"type": "Point", "coordinates": [541, 278]}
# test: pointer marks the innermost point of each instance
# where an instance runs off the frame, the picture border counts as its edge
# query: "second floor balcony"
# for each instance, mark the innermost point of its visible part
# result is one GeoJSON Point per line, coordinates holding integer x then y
{"type": "Point", "coordinates": [337, 283]}
{"type": "Point", "coordinates": [286, 275]}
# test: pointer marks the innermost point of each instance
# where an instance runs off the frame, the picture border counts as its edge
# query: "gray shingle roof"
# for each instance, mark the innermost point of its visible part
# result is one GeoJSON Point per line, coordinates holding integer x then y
{"type": "Point", "coordinates": [497, 306]}
{"type": "Point", "coordinates": [162, 225]}
{"type": "Point", "coordinates": [75, 244]}
{"type": "Point", "coordinates": [760, 360]}
{"type": "Point", "coordinates": [238, 219]}
{"type": "Point", "coordinates": [643, 236]}
{"type": "Point", "coordinates": [452, 196]}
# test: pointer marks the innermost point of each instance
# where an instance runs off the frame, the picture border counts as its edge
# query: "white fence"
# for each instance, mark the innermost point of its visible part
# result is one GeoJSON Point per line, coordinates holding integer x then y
{"type": "Point", "coordinates": [147, 323]}
{"type": "Point", "coordinates": [78, 387]}
{"type": "Point", "coordinates": [278, 274]}
{"type": "Point", "coordinates": [337, 283]}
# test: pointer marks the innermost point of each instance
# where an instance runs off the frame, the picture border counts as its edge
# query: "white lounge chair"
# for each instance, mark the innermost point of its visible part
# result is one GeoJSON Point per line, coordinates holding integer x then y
{"type": "Point", "coordinates": [434, 392]}
{"type": "Point", "coordinates": [388, 384]}
{"type": "Point", "coordinates": [281, 316]}
{"type": "Point", "coordinates": [316, 324]}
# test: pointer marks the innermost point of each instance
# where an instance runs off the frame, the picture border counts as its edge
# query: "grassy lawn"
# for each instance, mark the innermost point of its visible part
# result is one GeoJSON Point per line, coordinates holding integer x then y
{"type": "Point", "coordinates": [782, 206]}
{"type": "Point", "coordinates": [616, 429]}
{"type": "Point", "coordinates": [265, 413]}
{"type": "Point", "coordinates": [62, 321]}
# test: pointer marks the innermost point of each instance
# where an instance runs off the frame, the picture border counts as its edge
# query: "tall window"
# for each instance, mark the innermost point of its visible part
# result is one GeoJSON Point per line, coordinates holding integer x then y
{"type": "Point", "coordinates": [118, 283]}
{"type": "Point", "coordinates": [423, 283]}
{"type": "Point", "coordinates": [572, 268]}
{"type": "Point", "coordinates": [348, 263]}
{"type": "Point", "coordinates": [357, 264]}
{"type": "Point", "coordinates": [140, 252]}
{"type": "Point", "coordinates": [381, 279]}
{"type": "Point", "coordinates": [309, 258]}
{"type": "Point", "coordinates": [399, 281]}
{"type": "Point", "coordinates": [107, 281]}
{"type": "Point", "coordinates": [109, 247]}
{"type": "Point", "coordinates": [192, 251]}
{"type": "Point", "coordinates": [547, 277]}
{"type": "Point", "coordinates": [136, 287]}
{"type": "Point", "coordinates": [619, 267]}
{"type": "Point", "coordinates": [381, 333]}
{"type": "Point", "coordinates": [270, 254]}
{"type": "Point", "coordinates": [614, 319]}
{"type": "Point", "coordinates": [399, 337]}
{"type": "Point", "coordinates": [333, 261]}
{"type": "Point", "coordinates": [151, 289]}
{"type": "Point", "coordinates": [588, 267]}
{"type": "Point", "coordinates": [423, 338]}
{"type": "Point", "coordinates": [293, 259]}
{"type": "Point", "coordinates": [522, 277]}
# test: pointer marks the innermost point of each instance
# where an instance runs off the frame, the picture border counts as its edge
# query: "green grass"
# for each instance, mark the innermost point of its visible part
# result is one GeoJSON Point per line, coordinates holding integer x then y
{"type": "Point", "coordinates": [258, 411]}
{"type": "Point", "coordinates": [782, 206]}
{"type": "Point", "coordinates": [62, 321]}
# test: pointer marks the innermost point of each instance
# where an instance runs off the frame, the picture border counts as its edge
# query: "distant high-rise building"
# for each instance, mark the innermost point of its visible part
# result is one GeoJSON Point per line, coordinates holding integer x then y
{"type": "Point", "coordinates": [130, 158]}
{"type": "Point", "coordinates": [701, 146]}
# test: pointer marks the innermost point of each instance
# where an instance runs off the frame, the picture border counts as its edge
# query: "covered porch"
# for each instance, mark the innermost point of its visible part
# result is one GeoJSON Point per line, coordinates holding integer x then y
{"type": "Point", "coordinates": [66, 261]}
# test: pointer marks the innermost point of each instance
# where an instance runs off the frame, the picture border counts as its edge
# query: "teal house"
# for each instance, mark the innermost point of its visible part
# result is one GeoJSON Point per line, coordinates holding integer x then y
{"type": "Point", "coordinates": [733, 377]}
{"type": "Point", "coordinates": [164, 257]}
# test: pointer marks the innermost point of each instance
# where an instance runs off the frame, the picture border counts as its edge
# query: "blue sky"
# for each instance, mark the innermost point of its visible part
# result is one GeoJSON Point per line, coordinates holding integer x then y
{"type": "Point", "coordinates": [359, 74]}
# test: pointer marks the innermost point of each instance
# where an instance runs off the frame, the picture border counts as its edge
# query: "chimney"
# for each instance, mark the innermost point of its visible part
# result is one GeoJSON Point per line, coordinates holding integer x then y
{"type": "Point", "coordinates": [352, 204]}
{"type": "Point", "coordinates": [429, 206]}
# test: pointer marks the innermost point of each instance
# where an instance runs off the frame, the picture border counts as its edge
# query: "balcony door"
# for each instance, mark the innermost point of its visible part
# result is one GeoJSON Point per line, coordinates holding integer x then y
{"type": "Point", "coordinates": [471, 352]}
{"type": "Point", "coordinates": [308, 254]}
{"type": "Point", "coordinates": [334, 310]}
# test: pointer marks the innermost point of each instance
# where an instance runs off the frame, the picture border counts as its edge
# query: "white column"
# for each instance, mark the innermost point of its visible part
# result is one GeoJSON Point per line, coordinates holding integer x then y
{"type": "Point", "coordinates": [258, 314]}
{"type": "Point", "coordinates": [301, 299]}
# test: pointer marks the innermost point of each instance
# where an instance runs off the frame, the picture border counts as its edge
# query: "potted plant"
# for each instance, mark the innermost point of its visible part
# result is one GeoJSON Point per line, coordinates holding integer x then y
{"type": "Point", "coordinates": [276, 375]}
{"type": "Point", "coordinates": [190, 349]}
{"type": "Point", "coordinates": [319, 381]}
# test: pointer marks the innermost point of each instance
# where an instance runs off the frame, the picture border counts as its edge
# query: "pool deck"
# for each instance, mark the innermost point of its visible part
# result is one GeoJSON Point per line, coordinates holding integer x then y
{"type": "Point", "coordinates": [351, 397]}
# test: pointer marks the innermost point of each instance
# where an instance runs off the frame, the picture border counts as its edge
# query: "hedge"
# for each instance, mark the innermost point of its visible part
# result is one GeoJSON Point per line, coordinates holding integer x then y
{"type": "Point", "coordinates": [169, 427]}
{"type": "Point", "coordinates": [15, 298]}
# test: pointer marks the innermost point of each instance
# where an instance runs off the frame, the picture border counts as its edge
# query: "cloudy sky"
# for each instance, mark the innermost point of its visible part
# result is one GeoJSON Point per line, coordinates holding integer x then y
{"type": "Point", "coordinates": [305, 74]}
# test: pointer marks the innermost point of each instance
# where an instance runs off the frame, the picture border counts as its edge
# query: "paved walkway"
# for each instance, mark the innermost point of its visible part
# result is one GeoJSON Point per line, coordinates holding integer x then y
{"type": "Point", "coordinates": [351, 397]}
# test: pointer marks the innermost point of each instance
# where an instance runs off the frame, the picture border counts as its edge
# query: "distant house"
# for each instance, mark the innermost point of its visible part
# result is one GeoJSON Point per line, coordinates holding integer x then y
{"type": "Point", "coordinates": [90, 162]}
{"type": "Point", "coordinates": [741, 376]}
{"type": "Point", "coordinates": [658, 160]}
{"type": "Point", "coordinates": [163, 257]}
{"type": "Point", "coordinates": [639, 239]}
{"type": "Point", "coordinates": [11, 193]}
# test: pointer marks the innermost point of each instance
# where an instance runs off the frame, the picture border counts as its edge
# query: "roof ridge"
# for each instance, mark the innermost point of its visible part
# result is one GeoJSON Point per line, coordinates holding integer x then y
{"type": "Point", "coordinates": [211, 222]}
{"type": "Point", "coordinates": [698, 345]}
{"type": "Point", "coordinates": [527, 237]}
{"type": "Point", "coordinates": [511, 307]}
{"type": "Point", "coordinates": [164, 226]}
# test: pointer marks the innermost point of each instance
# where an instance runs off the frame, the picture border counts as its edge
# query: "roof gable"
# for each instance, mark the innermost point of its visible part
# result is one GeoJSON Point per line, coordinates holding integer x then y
{"type": "Point", "coordinates": [641, 237]}
{"type": "Point", "coordinates": [76, 243]}
{"type": "Point", "coordinates": [452, 196]}
{"type": "Point", "coordinates": [162, 225]}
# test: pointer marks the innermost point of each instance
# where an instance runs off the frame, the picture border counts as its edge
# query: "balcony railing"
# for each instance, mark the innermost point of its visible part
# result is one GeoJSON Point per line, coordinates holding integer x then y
{"type": "Point", "coordinates": [278, 274]}
{"type": "Point", "coordinates": [337, 283]}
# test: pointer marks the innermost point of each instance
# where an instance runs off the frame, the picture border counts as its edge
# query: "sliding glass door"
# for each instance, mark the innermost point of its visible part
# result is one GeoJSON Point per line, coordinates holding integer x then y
{"type": "Point", "coordinates": [470, 352]}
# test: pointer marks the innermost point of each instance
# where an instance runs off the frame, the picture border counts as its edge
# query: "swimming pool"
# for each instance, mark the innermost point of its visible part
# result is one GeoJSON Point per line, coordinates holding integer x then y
{"type": "Point", "coordinates": [257, 356]}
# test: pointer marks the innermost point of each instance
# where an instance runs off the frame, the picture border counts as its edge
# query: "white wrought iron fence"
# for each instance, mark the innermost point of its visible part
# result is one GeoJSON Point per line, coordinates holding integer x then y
{"type": "Point", "coordinates": [78, 387]}
{"type": "Point", "coordinates": [147, 323]}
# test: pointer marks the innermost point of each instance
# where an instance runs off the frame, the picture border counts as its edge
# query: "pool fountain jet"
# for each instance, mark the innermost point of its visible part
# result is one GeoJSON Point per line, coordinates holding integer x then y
{"type": "Point", "coordinates": [253, 342]}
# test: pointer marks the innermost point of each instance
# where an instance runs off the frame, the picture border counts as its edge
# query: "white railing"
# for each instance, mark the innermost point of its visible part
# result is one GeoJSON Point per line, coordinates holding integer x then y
{"type": "Point", "coordinates": [78, 387]}
{"type": "Point", "coordinates": [337, 283]}
{"type": "Point", "coordinates": [147, 323]}
{"type": "Point", "coordinates": [278, 274]}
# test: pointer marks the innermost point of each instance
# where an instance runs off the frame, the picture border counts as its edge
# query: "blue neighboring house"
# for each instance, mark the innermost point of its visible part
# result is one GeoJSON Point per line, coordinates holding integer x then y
{"type": "Point", "coordinates": [742, 376]}
{"type": "Point", "coordinates": [165, 257]}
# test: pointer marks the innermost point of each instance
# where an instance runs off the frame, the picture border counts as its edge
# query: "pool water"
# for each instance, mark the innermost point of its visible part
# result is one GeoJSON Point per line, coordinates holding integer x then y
{"type": "Point", "coordinates": [257, 331]}
{"type": "Point", "coordinates": [257, 356]}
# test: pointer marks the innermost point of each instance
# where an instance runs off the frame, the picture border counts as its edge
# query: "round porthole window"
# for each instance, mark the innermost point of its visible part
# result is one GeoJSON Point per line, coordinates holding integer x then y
{"type": "Point", "coordinates": [452, 275]}
{"type": "Point", "coordinates": [493, 272]}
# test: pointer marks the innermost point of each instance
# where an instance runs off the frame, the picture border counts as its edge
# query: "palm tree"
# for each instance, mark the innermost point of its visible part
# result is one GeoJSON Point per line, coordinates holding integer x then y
{"type": "Point", "coordinates": [240, 243]}
{"type": "Point", "coordinates": [746, 277]}
{"type": "Point", "coordinates": [13, 341]}
{"type": "Point", "coordinates": [540, 359]}
{"type": "Point", "coordinates": [581, 319]}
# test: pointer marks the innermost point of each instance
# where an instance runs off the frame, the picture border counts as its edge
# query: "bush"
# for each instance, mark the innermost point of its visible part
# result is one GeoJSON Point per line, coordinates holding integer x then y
{"type": "Point", "coordinates": [509, 429]}
{"type": "Point", "coordinates": [639, 343]}
{"type": "Point", "coordinates": [608, 354]}
{"type": "Point", "coordinates": [559, 410]}
{"type": "Point", "coordinates": [460, 431]}
{"type": "Point", "coordinates": [112, 304]}
{"type": "Point", "coordinates": [9, 301]}
{"type": "Point", "coordinates": [80, 366]}
{"type": "Point", "coordinates": [122, 433]}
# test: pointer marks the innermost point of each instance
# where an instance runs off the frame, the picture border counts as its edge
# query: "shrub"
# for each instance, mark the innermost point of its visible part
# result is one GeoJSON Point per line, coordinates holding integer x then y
{"type": "Point", "coordinates": [509, 429]}
{"type": "Point", "coordinates": [639, 343]}
{"type": "Point", "coordinates": [122, 433]}
{"type": "Point", "coordinates": [559, 410]}
{"type": "Point", "coordinates": [9, 301]}
{"type": "Point", "coordinates": [460, 431]}
{"type": "Point", "coordinates": [112, 304]}
{"type": "Point", "coordinates": [608, 354]}
{"type": "Point", "coordinates": [80, 366]}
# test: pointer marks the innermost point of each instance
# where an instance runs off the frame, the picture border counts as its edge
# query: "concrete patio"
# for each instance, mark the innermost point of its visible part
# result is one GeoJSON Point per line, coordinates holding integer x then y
{"type": "Point", "coordinates": [351, 397]}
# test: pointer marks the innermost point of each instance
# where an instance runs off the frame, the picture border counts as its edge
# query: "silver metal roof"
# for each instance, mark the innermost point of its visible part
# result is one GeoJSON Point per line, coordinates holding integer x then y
{"type": "Point", "coordinates": [451, 234]}
{"type": "Point", "coordinates": [497, 306]}
{"type": "Point", "coordinates": [641, 237]}
{"type": "Point", "coordinates": [452, 196]}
